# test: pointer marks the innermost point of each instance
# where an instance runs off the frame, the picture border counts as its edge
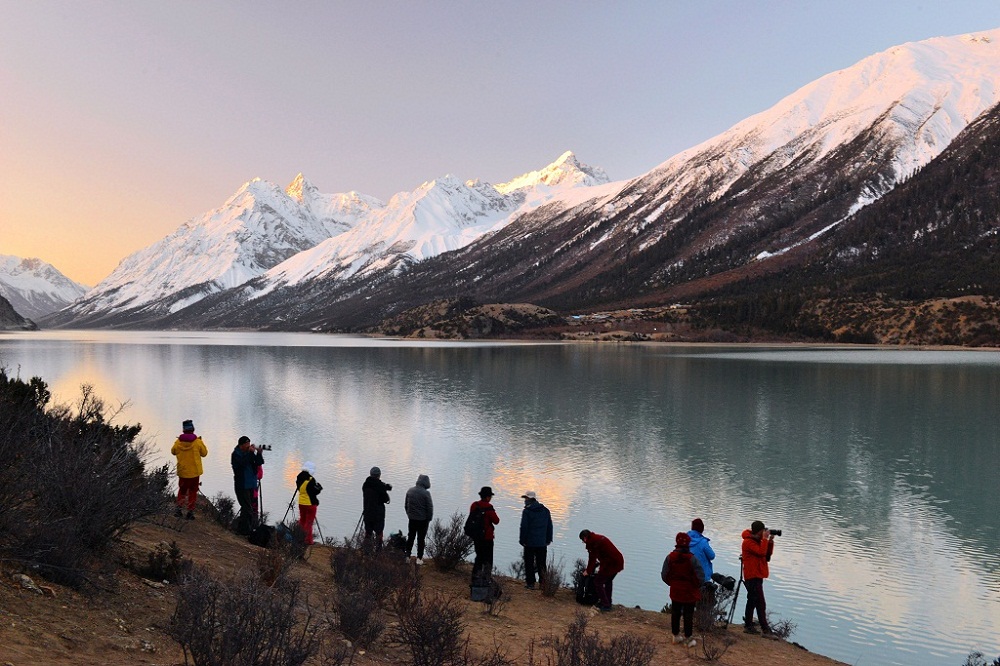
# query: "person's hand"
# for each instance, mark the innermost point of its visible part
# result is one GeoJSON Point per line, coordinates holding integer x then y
{"type": "Point", "coordinates": [768, 535]}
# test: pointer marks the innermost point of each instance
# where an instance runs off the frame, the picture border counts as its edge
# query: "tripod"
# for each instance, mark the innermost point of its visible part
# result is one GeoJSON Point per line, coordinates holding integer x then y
{"type": "Point", "coordinates": [736, 596]}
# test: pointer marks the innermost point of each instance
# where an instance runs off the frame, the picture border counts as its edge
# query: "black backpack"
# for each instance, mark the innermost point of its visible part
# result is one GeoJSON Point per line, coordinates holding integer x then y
{"type": "Point", "coordinates": [475, 524]}
{"type": "Point", "coordinates": [585, 592]}
{"type": "Point", "coordinates": [262, 536]}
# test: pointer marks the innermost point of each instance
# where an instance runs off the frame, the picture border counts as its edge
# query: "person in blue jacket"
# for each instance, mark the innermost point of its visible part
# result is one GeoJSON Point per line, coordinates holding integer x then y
{"type": "Point", "coordinates": [245, 460]}
{"type": "Point", "coordinates": [701, 548]}
{"type": "Point", "coordinates": [535, 537]}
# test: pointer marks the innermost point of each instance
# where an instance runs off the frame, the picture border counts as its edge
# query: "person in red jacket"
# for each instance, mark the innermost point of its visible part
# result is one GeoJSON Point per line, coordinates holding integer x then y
{"type": "Point", "coordinates": [683, 573]}
{"type": "Point", "coordinates": [482, 567]}
{"type": "Point", "coordinates": [758, 545]}
{"type": "Point", "coordinates": [608, 560]}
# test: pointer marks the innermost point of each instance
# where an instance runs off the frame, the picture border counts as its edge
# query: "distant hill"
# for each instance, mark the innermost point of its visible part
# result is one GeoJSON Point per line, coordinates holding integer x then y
{"type": "Point", "coordinates": [34, 287]}
{"type": "Point", "coordinates": [11, 320]}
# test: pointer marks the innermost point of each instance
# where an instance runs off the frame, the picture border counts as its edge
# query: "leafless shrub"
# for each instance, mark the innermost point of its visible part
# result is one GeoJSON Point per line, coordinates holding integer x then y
{"type": "Point", "coordinates": [72, 481]}
{"type": "Point", "coordinates": [165, 562]}
{"type": "Point", "coordinates": [716, 642]}
{"type": "Point", "coordinates": [430, 626]}
{"type": "Point", "coordinates": [241, 621]}
{"type": "Point", "coordinates": [783, 629]}
{"type": "Point", "coordinates": [447, 544]}
{"type": "Point", "coordinates": [359, 615]}
{"type": "Point", "coordinates": [516, 569]}
{"type": "Point", "coordinates": [579, 647]}
{"type": "Point", "coordinates": [381, 573]}
{"type": "Point", "coordinates": [554, 578]}
{"type": "Point", "coordinates": [223, 510]}
{"type": "Point", "coordinates": [498, 597]}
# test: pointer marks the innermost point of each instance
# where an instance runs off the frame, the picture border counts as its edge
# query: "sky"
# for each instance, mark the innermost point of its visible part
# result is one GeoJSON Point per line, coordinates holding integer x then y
{"type": "Point", "coordinates": [119, 121]}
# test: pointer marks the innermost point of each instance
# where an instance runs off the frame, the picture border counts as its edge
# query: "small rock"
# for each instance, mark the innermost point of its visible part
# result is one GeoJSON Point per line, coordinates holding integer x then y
{"type": "Point", "coordinates": [27, 583]}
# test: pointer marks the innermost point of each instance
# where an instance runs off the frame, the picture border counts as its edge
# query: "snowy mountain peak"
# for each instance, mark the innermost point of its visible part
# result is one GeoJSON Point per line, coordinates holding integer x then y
{"type": "Point", "coordinates": [566, 171]}
{"type": "Point", "coordinates": [300, 188]}
{"type": "Point", "coordinates": [34, 287]}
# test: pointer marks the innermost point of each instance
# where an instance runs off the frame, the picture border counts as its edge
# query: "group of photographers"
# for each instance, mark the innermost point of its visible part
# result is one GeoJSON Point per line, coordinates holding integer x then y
{"type": "Point", "coordinates": [687, 569]}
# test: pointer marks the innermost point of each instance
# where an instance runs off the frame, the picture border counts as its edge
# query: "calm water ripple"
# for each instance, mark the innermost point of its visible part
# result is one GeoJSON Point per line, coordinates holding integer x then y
{"type": "Point", "coordinates": [879, 464]}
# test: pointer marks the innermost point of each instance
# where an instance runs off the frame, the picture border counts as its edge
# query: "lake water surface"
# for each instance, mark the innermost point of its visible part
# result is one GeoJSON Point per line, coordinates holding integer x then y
{"type": "Point", "coordinates": [879, 465]}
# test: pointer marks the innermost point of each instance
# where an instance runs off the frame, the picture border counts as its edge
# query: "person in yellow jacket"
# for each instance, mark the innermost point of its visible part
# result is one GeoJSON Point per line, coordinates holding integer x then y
{"type": "Point", "coordinates": [309, 490]}
{"type": "Point", "coordinates": [189, 450]}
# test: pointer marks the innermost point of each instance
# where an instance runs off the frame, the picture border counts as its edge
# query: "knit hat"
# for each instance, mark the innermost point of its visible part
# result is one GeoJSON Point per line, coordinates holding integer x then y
{"type": "Point", "coordinates": [756, 526]}
{"type": "Point", "coordinates": [697, 525]}
{"type": "Point", "coordinates": [309, 467]}
{"type": "Point", "coordinates": [376, 472]}
{"type": "Point", "coordinates": [683, 540]}
{"type": "Point", "coordinates": [188, 426]}
{"type": "Point", "coordinates": [486, 491]}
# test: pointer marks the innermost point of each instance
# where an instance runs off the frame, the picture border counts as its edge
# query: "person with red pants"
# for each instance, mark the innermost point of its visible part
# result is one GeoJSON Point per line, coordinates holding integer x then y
{"type": "Point", "coordinates": [189, 449]}
{"type": "Point", "coordinates": [309, 489]}
{"type": "Point", "coordinates": [758, 545]}
{"type": "Point", "coordinates": [683, 573]}
{"type": "Point", "coordinates": [609, 562]}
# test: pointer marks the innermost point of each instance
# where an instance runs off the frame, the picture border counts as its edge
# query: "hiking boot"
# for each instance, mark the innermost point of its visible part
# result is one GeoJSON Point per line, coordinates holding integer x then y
{"type": "Point", "coordinates": [420, 561]}
{"type": "Point", "coordinates": [677, 639]}
{"type": "Point", "coordinates": [750, 629]}
{"type": "Point", "coordinates": [190, 515]}
{"type": "Point", "coordinates": [529, 586]}
{"type": "Point", "coordinates": [691, 642]}
{"type": "Point", "coordinates": [178, 513]}
{"type": "Point", "coordinates": [770, 635]}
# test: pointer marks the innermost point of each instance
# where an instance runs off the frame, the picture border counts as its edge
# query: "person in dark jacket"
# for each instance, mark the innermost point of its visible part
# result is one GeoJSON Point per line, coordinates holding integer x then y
{"type": "Point", "coordinates": [609, 562]}
{"type": "Point", "coordinates": [419, 509]}
{"type": "Point", "coordinates": [375, 495]}
{"type": "Point", "coordinates": [535, 537]}
{"type": "Point", "coordinates": [245, 460]}
{"type": "Point", "coordinates": [682, 572]}
{"type": "Point", "coordinates": [309, 490]}
{"type": "Point", "coordinates": [482, 566]}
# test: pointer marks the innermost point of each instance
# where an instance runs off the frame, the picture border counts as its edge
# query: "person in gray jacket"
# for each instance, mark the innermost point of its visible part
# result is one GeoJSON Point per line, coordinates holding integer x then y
{"type": "Point", "coordinates": [419, 511]}
{"type": "Point", "coordinates": [535, 536]}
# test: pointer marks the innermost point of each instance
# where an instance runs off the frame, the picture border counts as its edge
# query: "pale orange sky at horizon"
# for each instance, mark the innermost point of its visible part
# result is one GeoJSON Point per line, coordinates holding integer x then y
{"type": "Point", "coordinates": [119, 122]}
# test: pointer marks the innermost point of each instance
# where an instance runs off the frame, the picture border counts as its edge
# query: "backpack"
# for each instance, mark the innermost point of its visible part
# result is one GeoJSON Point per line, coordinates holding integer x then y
{"type": "Point", "coordinates": [585, 593]}
{"type": "Point", "coordinates": [475, 524]}
{"type": "Point", "coordinates": [262, 535]}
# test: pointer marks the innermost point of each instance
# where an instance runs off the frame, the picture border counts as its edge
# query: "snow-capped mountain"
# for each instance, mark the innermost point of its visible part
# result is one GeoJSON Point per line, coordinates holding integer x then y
{"type": "Point", "coordinates": [757, 198]}
{"type": "Point", "coordinates": [439, 216]}
{"type": "Point", "coordinates": [35, 288]}
{"type": "Point", "coordinates": [257, 228]}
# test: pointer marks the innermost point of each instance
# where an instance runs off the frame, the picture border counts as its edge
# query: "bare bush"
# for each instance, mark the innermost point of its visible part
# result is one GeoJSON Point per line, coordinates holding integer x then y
{"type": "Point", "coordinates": [359, 615]}
{"type": "Point", "coordinates": [579, 647]}
{"type": "Point", "coordinates": [498, 597]}
{"type": "Point", "coordinates": [72, 481]}
{"type": "Point", "coordinates": [978, 659]}
{"type": "Point", "coordinates": [447, 544]}
{"type": "Point", "coordinates": [223, 510]}
{"type": "Point", "coordinates": [716, 642]}
{"type": "Point", "coordinates": [241, 621]}
{"type": "Point", "coordinates": [783, 629]}
{"type": "Point", "coordinates": [555, 577]}
{"type": "Point", "coordinates": [517, 569]}
{"type": "Point", "coordinates": [381, 572]}
{"type": "Point", "coordinates": [166, 563]}
{"type": "Point", "coordinates": [430, 626]}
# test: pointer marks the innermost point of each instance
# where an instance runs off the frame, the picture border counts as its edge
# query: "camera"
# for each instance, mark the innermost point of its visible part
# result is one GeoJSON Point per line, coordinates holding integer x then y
{"type": "Point", "coordinates": [264, 447]}
{"type": "Point", "coordinates": [388, 486]}
{"type": "Point", "coordinates": [775, 532]}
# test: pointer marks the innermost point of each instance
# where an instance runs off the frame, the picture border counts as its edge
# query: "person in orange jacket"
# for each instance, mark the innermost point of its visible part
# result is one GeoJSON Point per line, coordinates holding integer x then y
{"type": "Point", "coordinates": [758, 545]}
{"type": "Point", "coordinates": [609, 562]}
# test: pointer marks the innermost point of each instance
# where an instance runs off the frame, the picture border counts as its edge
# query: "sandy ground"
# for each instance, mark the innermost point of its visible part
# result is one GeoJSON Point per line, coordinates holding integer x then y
{"type": "Point", "coordinates": [125, 623]}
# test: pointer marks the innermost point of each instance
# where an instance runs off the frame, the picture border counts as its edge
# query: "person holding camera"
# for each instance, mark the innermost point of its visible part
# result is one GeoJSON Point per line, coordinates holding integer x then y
{"type": "Point", "coordinates": [189, 449]}
{"type": "Point", "coordinates": [375, 495]}
{"type": "Point", "coordinates": [419, 509]}
{"type": "Point", "coordinates": [758, 545]}
{"type": "Point", "coordinates": [309, 490]}
{"type": "Point", "coordinates": [245, 460]}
